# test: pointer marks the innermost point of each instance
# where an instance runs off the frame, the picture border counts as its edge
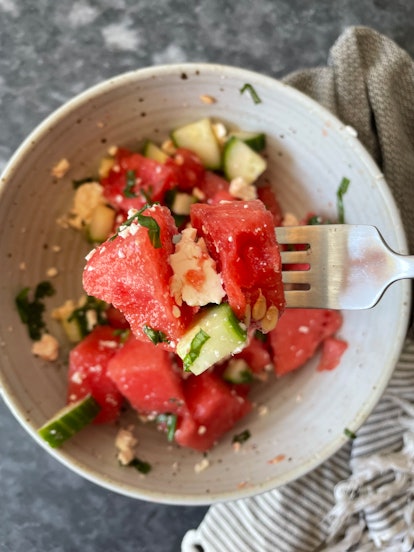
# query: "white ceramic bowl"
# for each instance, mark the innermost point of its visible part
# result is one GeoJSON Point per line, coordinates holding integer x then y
{"type": "Point", "coordinates": [310, 151]}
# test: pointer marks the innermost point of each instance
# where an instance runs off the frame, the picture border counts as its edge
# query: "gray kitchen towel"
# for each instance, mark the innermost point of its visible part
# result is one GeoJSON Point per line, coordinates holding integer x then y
{"type": "Point", "coordinates": [361, 498]}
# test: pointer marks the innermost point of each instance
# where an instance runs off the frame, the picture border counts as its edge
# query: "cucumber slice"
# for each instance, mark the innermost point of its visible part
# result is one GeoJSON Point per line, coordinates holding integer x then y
{"type": "Point", "coordinates": [240, 160]}
{"type": "Point", "coordinates": [72, 330]}
{"type": "Point", "coordinates": [215, 335]}
{"type": "Point", "coordinates": [101, 224]}
{"type": "Point", "coordinates": [200, 138]}
{"type": "Point", "coordinates": [238, 371]}
{"type": "Point", "coordinates": [182, 202]}
{"type": "Point", "coordinates": [255, 140]}
{"type": "Point", "coordinates": [152, 151]}
{"type": "Point", "coordinates": [69, 421]}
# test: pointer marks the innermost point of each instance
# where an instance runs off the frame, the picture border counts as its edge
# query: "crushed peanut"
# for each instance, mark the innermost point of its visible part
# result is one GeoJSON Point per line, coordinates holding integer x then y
{"type": "Point", "coordinates": [268, 323]}
{"type": "Point", "coordinates": [126, 442]}
{"type": "Point", "coordinates": [259, 308]}
{"type": "Point", "coordinates": [277, 459]}
{"type": "Point", "coordinates": [205, 98]}
{"type": "Point", "coordinates": [60, 169]}
{"type": "Point", "coordinates": [202, 465]}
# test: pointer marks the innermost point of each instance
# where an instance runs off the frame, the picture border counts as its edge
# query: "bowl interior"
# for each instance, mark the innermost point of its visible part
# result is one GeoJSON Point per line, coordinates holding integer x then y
{"type": "Point", "coordinates": [309, 152]}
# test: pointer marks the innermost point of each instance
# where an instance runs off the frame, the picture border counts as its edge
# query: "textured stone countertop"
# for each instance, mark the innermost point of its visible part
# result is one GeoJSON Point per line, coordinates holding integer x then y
{"type": "Point", "coordinates": [52, 50]}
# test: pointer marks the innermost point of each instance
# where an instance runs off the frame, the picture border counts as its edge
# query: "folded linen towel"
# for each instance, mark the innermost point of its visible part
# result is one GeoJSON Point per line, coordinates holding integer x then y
{"type": "Point", "coordinates": [362, 498]}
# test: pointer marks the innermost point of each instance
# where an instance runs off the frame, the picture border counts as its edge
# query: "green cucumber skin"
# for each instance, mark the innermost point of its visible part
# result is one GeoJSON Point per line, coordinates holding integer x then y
{"type": "Point", "coordinates": [227, 336]}
{"type": "Point", "coordinates": [238, 373]}
{"type": "Point", "coordinates": [199, 137]}
{"type": "Point", "coordinates": [73, 418]}
{"type": "Point", "coordinates": [255, 140]}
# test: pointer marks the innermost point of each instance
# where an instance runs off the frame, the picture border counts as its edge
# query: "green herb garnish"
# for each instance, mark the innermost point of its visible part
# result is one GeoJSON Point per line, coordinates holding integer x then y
{"type": "Point", "coordinates": [350, 434]}
{"type": "Point", "coordinates": [147, 222]}
{"type": "Point", "coordinates": [246, 376]}
{"type": "Point", "coordinates": [315, 220]}
{"type": "Point", "coordinates": [255, 97]}
{"type": "Point", "coordinates": [195, 348]}
{"type": "Point", "coordinates": [131, 179]}
{"type": "Point", "coordinates": [156, 336]}
{"type": "Point", "coordinates": [241, 437]}
{"type": "Point", "coordinates": [147, 195]}
{"type": "Point", "coordinates": [153, 229]}
{"type": "Point", "coordinates": [343, 188]}
{"type": "Point", "coordinates": [31, 311]}
{"type": "Point", "coordinates": [170, 422]}
{"type": "Point", "coordinates": [140, 465]}
{"type": "Point", "coordinates": [260, 336]}
{"type": "Point", "coordinates": [123, 334]}
{"type": "Point", "coordinates": [80, 314]}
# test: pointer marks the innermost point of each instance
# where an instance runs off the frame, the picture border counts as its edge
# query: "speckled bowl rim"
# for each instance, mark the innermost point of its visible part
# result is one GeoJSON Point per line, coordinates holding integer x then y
{"type": "Point", "coordinates": [359, 150]}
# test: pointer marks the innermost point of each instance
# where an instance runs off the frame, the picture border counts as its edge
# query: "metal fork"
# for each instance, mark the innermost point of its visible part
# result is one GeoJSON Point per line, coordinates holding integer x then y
{"type": "Point", "coordinates": [338, 266]}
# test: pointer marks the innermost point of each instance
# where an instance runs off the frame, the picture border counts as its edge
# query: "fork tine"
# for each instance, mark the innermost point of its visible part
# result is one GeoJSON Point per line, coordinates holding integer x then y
{"type": "Point", "coordinates": [297, 276]}
{"type": "Point", "coordinates": [299, 299]}
{"type": "Point", "coordinates": [343, 267]}
{"type": "Point", "coordinates": [295, 257]}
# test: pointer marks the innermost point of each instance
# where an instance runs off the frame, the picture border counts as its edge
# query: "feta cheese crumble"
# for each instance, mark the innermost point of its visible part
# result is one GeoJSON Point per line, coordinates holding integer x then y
{"type": "Point", "coordinates": [126, 442]}
{"type": "Point", "coordinates": [87, 198]}
{"type": "Point", "coordinates": [195, 280]}
{"type": "Point", "coordinates": [47, 348]}
{"type": "Point", "coordinates": [240, 189]}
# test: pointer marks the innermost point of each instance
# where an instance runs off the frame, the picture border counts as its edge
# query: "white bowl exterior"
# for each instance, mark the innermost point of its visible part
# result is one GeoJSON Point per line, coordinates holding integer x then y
{"type": "Point", "coordinates": [309, 152]}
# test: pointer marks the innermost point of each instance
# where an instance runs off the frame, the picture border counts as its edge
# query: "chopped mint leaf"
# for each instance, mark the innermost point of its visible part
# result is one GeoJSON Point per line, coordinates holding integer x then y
{"type": "Point", "coordinates": [140, 465]}
{"type": "Point", "coordinates": [147, 222]}
{"type": "Point", "coordinates": [249, 88]}
{"type": "Point", "coordinates": [80, 314]}
{"type": "Point", "coordinates": [31, 310]}
{"type": "Point", "coordinates": [350, 434]}
{"type": "Point", "coordinates": [130, 178]}
{"type": "Point", "coordinates": [170, 422]}
{"type": "Point", "coordinates": [241, 437]}
{"type": "Point", "coordinates": [156, 336]}
{"type": "Point", "coordinates": [343, 188]}
{"type": "Point", "coordinates": [195, 348]}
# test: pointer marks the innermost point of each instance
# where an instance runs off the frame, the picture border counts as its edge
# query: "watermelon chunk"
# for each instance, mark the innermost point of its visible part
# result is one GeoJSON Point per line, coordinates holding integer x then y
{"type": "Point", "coordinates": [257, 355]}
{"type": "Point", "coordinates": [240, 237]}
{"type": "Point", "coordinates": [88, 372]}
{"type": "Point", "coordinates": [188, 169]}
{"type": "Point", "coordinates": [151, 181]}
{"type": "Point", "coordinates": [298, 335]}
{"type": "Point", "coordinates": [215, 188]}
{"type": "Point", "coordinates": [214, 408]}
{"type": "Point", "coordinates": [267, 196]}
{"type": "Point", "coordinates": [332, 351]}
{"type": "Point", "coordinates": [133, 275]}
{"type": "Point", "coordinates": [145, 375]}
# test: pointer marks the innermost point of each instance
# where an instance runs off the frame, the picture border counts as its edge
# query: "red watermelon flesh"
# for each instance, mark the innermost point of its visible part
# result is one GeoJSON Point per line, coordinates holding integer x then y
{"type": "Point", "coordinates": [257, 355]}
{"type": "Point", "coordinates": [145, 375]}
{"type": "Point", "coordinates": [332, 351]}
{"type": "Point", "coordinates": [214, 408]}
{"type": "Point", "coordinates": [133, 275]}
{"type": "Point", "coordinates": [267, 196]}
{"type": "Point", "coordinates": [88, 372]}
{"type": "Point", "coordinates": [240, 237]}
{"type": "Point", "coordinates": [215, 188]}
{"type": "Point", "coordinates": [188, 169]}
{"type": "Point", "coordinates": [298, 334]}
{"type": "Point", "coordinates": [152, 181]}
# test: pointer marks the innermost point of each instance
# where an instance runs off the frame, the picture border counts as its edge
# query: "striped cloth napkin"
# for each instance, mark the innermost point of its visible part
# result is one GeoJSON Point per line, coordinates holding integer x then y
{"type": "Point", "coordinates": [362, 498]}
